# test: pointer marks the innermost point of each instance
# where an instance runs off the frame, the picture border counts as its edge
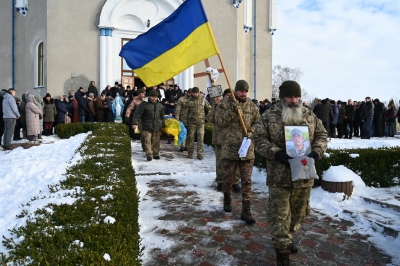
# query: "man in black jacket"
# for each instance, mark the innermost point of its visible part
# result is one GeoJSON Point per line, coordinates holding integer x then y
{"type": "Point", "coordinates": [348, 119]}
{"type": "Point", "coordinates": [378, 112]}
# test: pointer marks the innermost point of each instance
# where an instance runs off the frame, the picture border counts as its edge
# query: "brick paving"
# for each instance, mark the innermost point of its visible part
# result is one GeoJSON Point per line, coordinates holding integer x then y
{"type": "Point", "coordinates": [205, 241]}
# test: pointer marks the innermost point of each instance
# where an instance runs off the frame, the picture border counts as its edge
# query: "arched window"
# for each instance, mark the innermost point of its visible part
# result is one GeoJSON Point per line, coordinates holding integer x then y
{"type": "Point", "coordinates": [40, 68]}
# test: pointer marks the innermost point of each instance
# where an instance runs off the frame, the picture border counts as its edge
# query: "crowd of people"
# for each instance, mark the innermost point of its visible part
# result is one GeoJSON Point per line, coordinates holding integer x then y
{"type": "Point", "coordinates": [241, 127]}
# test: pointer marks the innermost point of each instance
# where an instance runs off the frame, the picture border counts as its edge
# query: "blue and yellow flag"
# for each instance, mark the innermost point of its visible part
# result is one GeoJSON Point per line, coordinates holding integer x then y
{"type": "Point", "coordinates": [176, 43]}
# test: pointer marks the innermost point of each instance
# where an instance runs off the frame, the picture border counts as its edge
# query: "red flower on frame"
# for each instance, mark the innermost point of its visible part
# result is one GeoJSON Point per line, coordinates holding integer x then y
{"type": "Point", "coordinates": [304, 162]}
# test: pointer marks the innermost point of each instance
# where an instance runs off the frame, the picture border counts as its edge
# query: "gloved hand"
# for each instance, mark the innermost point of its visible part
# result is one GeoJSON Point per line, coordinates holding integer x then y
{"type": "Point", "coordinates": [314, 155]}
{"type": "Point", "coordinates": [236, 105]}
{"type": "Point", "coordinates": [282, 157]}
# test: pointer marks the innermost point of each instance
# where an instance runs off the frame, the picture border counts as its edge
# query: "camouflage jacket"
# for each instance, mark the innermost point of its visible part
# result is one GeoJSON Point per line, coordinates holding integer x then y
{"type": "Point", "coordinates": [216, 134]}
{"type": "Point", "coordinates": [197, 111]}
{"type": "Point", "coordinates": [269, 138]}
{"type": "Point", "coordinates": [232, 133]}
{"type": "Point", "coordinates": [132, 106]}
{"type": "Point", "coordinates": [151, 115]}
{"type": "Point", "coordinates": [181, 112]}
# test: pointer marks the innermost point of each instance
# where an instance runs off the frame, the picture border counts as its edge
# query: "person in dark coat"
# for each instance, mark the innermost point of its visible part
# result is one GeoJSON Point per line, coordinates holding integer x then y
{"type": "Point", "coordinates": [378, 113]}
{"type": "Point", "coordinates": [348, 119]}
{"type": "Point", "coordinates": [49, 114]}
{"type": "Point", "coordinates": [107, 91]}
{"type": "Point", "coordinates": [333, 122]}
{"type": "Point", "coordinates": [325, 114]}
{"type": "Point", "coordinates": [108, 113]}
{"type": "Point", "coordinates": [101, 106]}
{"type": "Point", "coordinates": [62, 110]}
{"type": "Point", "coordinates": [367, 115]}
{"type": "Point", "coordinates": [390, 119]}
{"type": "Point", "coordinates": [83, 110]}
{"type": "Point", "coordinates": [92, 89]}
{"type": "Point", "coordinates": [69, 103]}
{"type": "Point", "coordinates": [339, 125]}
{"type": "Point", "coordinates": [170, 107]}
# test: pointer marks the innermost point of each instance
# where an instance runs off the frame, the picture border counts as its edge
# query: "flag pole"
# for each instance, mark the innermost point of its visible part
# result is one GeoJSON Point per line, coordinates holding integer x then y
{"type": "Point", "coordinates": [233, 95]}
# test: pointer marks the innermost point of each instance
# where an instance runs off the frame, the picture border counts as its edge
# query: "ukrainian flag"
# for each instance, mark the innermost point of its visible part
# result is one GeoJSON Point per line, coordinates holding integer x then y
{"type": "Point", "coordinates": [176, 43]}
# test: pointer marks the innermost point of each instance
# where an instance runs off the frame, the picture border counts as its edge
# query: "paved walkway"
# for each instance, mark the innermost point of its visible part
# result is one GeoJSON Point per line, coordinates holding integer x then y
{"type": "Point", "coordinates": [206, 241]}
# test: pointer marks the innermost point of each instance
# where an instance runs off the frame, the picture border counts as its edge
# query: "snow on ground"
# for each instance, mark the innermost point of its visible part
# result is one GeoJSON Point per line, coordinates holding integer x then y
{"type": "Point", "coordinates": [25, 174]}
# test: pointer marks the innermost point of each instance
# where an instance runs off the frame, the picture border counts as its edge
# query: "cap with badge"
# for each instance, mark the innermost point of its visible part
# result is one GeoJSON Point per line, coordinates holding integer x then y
{"type": "Point", "coordinates": [296, 131]}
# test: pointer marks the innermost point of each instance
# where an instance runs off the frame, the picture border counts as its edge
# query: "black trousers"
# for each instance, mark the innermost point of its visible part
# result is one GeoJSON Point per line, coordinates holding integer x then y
{"type": "Point", "coordinates": [349, 122]}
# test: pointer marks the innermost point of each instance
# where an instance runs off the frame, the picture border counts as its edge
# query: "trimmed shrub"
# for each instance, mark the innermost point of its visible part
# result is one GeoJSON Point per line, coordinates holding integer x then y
{"type": "Point", "coordinates": [103, 184]}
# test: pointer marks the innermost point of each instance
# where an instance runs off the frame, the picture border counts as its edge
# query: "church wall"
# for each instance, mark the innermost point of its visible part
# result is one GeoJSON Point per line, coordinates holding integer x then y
{"type": "Point", "coordinates": [222, 18]}
{"type": "Point", "coordinates": [29, 32]}
{"type": "Point", "coordinates": [73, 44]}
{"type": "Point", "coordinates": [5, 44]}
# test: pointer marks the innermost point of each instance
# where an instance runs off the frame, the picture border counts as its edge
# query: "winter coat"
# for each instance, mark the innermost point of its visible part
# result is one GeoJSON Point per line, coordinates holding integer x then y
{"type": "Point", "coordinates": [108, 113]}
{"type": "Point", "coordinates": [390, 115]}
{"type": "Point", "coordinates": [90, 104]}
{"type": "Point", "coordinates": [324, 111]}
{"type": "Point", "coordinates": [197, 111]}
{"type": "Point", "coordinates": [100, 109]}
{"type": "Point", "coordinates": [335, 110]}
{"type": "Point", "coordinates": [170, 109]}
{"type": "Point", "coordinates": [49, 110]}
{"type": "Point", "coordinates": [39, 104]}
{"type": "Point", "coordinates": [83, 110]}
{"type": "Point", "coordinates": [75, 117]}
{"type": "Point", "coordinates": [367, 110]}
{"type": "Point", "coordinates": [32, 116]}
{"type": "Point", "coordinates": [10, 108]}
{"type": "Point", "coordinates": [151, 114]}
{"type": "Point", "coordinates": [269, 138]}
{"type": "Point", "coordinates": [341, 115]}
{"type": "Point", "coordinates": [379, 109]}
{"type": "Point", "coordinates": [227, 119]}
{"type": "Point", "coordinates": [93, 89]}
{"type": "Point", "coordinates": [349, 111]}
{"type": "Point", "coordinates": [22, 105]}
{"type": "Point", "coordinates": [61, 111]}
{"type": "Point", "coordinates": [70, 108]}
{"type": "Point", "coordinates": [181, 112]}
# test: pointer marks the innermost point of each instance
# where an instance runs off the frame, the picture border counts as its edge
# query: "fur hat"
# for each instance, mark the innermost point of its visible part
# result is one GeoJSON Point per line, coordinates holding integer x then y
{"type": "Point", "coordinates": [195, 90]}
{"type": "Point", "coordinates": [241, 85]}
{"type": "Point", "coordinates": [153, 93]}
{"type": "Point", "coordinates": [289, 88]}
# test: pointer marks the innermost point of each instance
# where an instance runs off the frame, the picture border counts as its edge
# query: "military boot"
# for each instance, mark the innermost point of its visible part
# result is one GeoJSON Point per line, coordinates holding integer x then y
{"type": "Point", "coordinates": [246, 214]}
{"type": "Point", "coordinates": [190, 155]}
{"type": "Point", "coordinates": [200, 156]}
{"type": "Point", "coordinates": [227, 202]}
{"type": "Point", "coordinates": [282, 257]}
{"type": "Point", "coordinates": [293, 248]}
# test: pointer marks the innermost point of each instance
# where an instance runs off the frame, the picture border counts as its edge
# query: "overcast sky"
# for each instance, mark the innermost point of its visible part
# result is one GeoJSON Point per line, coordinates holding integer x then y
{"type": "Point", "coordinates": [345, 48]}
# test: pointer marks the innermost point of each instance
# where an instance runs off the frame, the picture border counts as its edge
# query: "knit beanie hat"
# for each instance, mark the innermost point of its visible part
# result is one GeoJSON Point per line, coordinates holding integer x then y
{"type": "Point", "coordinates": [289, 88]}
{"type": "Point", "coordinates": [226, 92]}
{"type": "Point", "coordinates": [153, 93]}
{"type": "Point", "coordinates": [189, 90]}
{"type": "Point", "coordinates": [139, 91]}
{"type": "Point", "coordinates": [242, 85]}
{"type": "Point", "coordinates": [195, 90]}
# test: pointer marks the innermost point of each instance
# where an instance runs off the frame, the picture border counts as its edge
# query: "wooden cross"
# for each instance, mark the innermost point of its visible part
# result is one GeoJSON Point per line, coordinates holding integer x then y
{"type": "Point", "coordinates": [207, 73]}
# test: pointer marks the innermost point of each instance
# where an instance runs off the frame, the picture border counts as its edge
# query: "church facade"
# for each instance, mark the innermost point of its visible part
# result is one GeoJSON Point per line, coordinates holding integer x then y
{"type": "Point", "coordinates": [57, 46]}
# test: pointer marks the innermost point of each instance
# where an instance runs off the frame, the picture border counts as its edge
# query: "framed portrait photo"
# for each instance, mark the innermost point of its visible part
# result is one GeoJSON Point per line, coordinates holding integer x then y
{"type": "Point", "coordinates": [215, 91]}
{"type": "Point", "coordinates": [297, 140]}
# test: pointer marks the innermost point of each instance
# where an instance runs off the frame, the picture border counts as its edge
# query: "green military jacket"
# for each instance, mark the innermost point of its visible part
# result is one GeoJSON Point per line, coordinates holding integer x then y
{"type": "Point", "coordinates": [151, 115]}
{"type": "Point", "coordinates": [216, 134]}
{"type": "Point", "coordinates": [232, 132]}
{"type": "Point", "coordinates": [181, 112]}
{"type": "Point", "coordinates": [269, 138]}
{"type": "Point", "coordinates": [197, 111]}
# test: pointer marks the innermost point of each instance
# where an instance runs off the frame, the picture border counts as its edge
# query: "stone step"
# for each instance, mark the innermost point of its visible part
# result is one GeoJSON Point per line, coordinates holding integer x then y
{"type": "Point", "coordinates": [384, 204]}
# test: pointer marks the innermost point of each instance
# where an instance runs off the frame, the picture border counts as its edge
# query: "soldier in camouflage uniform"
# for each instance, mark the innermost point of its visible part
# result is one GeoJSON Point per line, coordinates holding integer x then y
{"type": "Point", "coordinates": [196, 119]}
{"type": "Point", "coordinates": [288, 201]}
{"type": "Point", "coordinates": [216, 141]}
{"type": "Point", "coordinates": [137, 100]}
{"type": "Point", "coordinates": [181, 113]}
{"type": "Point", "coordinates": [227, 119]}
{"type": "Point", "coordinates": [151, 114]}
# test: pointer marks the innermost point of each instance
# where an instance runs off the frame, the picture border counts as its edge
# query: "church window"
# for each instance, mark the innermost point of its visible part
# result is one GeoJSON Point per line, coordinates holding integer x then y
{"type": "Point", "coordinates": [40, 65]}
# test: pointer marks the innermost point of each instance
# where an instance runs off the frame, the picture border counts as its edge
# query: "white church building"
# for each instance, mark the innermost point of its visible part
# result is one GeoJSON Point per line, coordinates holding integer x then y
{"type": "Point", "coordinates": [55, 46]}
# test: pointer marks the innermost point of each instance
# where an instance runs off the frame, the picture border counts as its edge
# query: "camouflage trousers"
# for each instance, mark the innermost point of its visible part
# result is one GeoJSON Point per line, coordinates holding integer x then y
{"type": "Point", "coordinates": [152, 143]}
{"type": "Point", "coordinates": [286, 209]}
{"type": "Point", "coordinates": [220, 169]}
{"type": "Point", "coordinates": [194, 129]}
{"type": "Point", "coordinates": [246, 170]}
{"type": "Point", "coordinates": [141, 135]}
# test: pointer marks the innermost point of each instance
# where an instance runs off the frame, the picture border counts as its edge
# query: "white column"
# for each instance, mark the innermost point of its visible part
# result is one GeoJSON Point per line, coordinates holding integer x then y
{"type": "Point", "coordinates": [110, 79]}
{"type": "Point", "coordinates": [102, 83]}
{"type": "Point", "coordinates": [191, 78]}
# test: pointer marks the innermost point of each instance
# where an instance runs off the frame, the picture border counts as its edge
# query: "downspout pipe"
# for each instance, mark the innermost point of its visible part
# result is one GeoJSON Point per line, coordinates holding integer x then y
{"type": "Point", "coordinates": [12, 46]}
{"type": "Point", "coordinates": [255, 50]}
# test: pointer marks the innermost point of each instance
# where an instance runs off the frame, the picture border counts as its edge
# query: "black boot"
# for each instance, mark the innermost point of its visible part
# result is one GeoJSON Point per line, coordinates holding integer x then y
{"type": "Point", "coordinates": [293, 248]}
{"type": "Point", "coordinates": [246, 214]}
{"type": "Point", "coordinates": [282, 257]}
{"type": "Point", "coordinates": [40, 136]}
{"type": "Point", "coordinates": [227, 202]}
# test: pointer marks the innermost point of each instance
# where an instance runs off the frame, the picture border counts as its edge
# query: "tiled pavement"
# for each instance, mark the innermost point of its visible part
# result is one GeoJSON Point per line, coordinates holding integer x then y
{"type": "Point", "coordinates": [321, 241]}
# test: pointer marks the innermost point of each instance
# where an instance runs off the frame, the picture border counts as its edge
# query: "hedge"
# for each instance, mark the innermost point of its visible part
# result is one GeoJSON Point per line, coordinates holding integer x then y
{"type": "Point", "coordinates": [103, 183]}
{"type": "Point", "coordinates": [376, 167]}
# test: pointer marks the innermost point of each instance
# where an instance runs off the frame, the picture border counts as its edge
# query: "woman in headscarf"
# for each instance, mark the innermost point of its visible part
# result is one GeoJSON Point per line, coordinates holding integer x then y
{"type": "Point", "coordinates": [32, 117]}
